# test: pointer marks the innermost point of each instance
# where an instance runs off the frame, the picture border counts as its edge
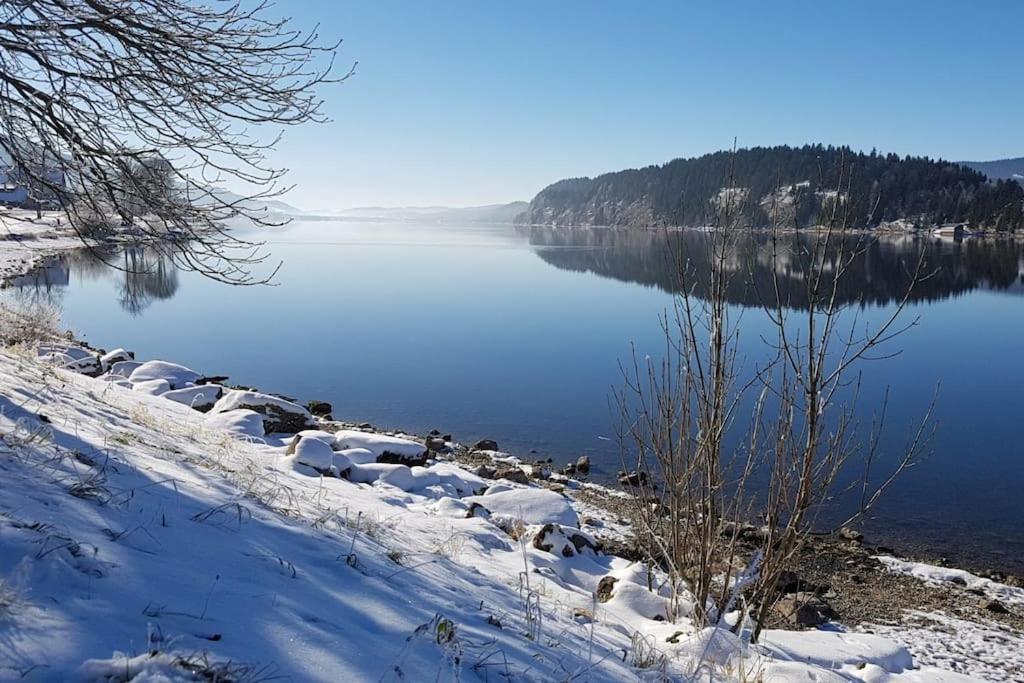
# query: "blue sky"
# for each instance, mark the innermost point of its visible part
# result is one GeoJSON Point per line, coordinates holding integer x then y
{"type": "Point", "coordinates": [462, 103]}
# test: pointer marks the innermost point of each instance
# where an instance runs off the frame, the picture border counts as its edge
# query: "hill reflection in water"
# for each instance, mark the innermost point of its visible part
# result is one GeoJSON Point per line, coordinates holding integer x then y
{"type": "Point", "coordinates": [880, 274]}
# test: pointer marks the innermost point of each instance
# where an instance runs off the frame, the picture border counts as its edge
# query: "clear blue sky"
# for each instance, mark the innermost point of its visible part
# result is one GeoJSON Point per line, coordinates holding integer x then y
{"type": "Point", "coordinates": [462, 103]}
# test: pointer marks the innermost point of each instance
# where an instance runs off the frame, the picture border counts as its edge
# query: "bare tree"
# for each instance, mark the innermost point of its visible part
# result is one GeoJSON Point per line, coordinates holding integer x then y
{"type": "Point", "coordinates": [114, 95]}
{"type": "Point", "coordinates": [803, 446]}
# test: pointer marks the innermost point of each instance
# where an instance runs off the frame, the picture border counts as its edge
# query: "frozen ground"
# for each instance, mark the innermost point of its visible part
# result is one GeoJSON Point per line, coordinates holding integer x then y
{"type": "Point", "coordinates": [141, 541]}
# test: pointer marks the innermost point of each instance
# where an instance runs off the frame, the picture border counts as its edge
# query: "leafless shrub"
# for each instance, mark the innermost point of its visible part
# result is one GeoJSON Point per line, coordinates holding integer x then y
{"type": "Point", "coordinates": [694, 503]}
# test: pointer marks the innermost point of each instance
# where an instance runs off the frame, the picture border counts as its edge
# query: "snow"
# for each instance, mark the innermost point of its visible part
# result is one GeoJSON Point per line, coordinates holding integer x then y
{"type": "Point", "coordinates": [358, 456]}
{"type": "Point", "coordinates": [835, 649]}
{"type": "Point", "coordinates": [237, 399]}
{"type": "Point", "coordinates": [1008, 595]}
{"type": "Point", "coordinates": [139, 537]}
{"type": "Point", "coordinates": [26, 241]}
{"type": "Point", "coordinates": [177, 376]}
{"type": "Point", "coordinates": [198, 397]}
{"type": "Point", "coordinates": [378, 444]}
{"type": "Point", "coordinates": [239, 422]}
{"type": "Point", "coordinates": [124, 368]}
{"type": "Point", "coordinates": [314, 453]}
{"type": "Point", "coordinates": [985, 652]}
{"type": "Point", "coordinates": [153, 387]}
{"type": "Point", "coordinates": [530, 506]}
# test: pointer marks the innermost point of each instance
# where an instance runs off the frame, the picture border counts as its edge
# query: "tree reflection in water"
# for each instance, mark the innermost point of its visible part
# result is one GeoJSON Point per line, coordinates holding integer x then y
{"type": "Point", "coordinates": [882, 273]}
{"type": "Point", "coordinates": [143, 275]}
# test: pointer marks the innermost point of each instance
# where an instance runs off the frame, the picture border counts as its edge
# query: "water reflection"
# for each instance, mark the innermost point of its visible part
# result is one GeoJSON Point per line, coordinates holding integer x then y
{"type": "Point", "coordinates": [879, 275]}
{"type": "Point", "coordinates": [143, 275]}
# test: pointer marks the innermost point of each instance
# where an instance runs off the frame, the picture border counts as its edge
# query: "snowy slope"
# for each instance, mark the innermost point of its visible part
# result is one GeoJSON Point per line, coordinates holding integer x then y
{"type": "Point", "coordinates": [138, 542]}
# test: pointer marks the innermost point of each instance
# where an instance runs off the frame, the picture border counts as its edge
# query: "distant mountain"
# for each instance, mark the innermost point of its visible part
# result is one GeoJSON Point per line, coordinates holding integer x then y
{"type": "Point", "coordinates": [1005, 169]}
{"type": "Point", "coordinates": [491, 213]}
{"type": "Point", "coordinates": [798, 182]}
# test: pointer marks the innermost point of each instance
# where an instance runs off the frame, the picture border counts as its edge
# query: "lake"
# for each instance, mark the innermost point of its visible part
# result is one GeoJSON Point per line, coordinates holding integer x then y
{"type": "Point", "coordinates": [517, 335]}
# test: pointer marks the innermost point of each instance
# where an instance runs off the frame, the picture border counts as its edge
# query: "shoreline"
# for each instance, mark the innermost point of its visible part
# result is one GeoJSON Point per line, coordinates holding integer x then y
{"type": "Point", "coordinates": [35, 253]}
{"type": "Point", "coordinates": [870, 593]}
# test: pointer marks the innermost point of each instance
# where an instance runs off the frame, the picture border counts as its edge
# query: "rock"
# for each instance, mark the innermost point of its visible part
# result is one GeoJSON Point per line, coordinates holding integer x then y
{"type": "Point", "coordinates": [486, 472]}
{"type": "Point", "coordinates": [605, 587]}
{"type": "Point", "coordinates": [178, 376]}
{"type": "Point", "coordinates": [435, 443]}
{"type": "Point", "coordinates": [434, 432]}
{"type": "Point", "coordinates": [477, 510]}
{"type": "Point", "coordinates": [513, 474]}
{"type": "Point", "coordinates": [278, 414]}
{"type": "Point", "coordinates": [485, 445]}
{"type": "Point", "coordinates": [117, 355]}
{"type": "Point", "coordinates": [388, 449]}
{"type": "Point", "coordinates": [124, 368]}
{"type": "Point", "coordinates": [314, 453]}
{"type": "Point", "coordinates": [789, 583]}
{"type": "Point", "coordinates": [995, 607]}
{"type": "Point", "coordinates": [558, 540]}
{"type": "Point", "coordinates": [583, 464]}
{"type": "Point", "coordinates": [320, 408]}
{"type": "Point", "coordinates": [803, 610]}
{"type": "Point", "coordinates": [200, 398]}
{"type": "Point", "coordinates": [446, 437]}
{"type": "Point", "coordinates": [569, 469]}
{"type": "Point", "coordinates": [632, 478]}
{"type": "Point", "coordinates": [851, 534]}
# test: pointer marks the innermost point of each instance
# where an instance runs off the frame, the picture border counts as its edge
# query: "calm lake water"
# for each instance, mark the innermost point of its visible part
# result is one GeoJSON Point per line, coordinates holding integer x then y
{"type": "Point", "coordinates": [518, 335]}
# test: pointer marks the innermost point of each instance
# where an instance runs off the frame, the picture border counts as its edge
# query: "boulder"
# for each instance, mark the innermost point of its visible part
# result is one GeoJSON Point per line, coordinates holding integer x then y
{"type": "Point", "coordinates": [387, 449]}
{"type": "Point", "coordinates": [200, 398]}
{"type": "Point", "coordinates": [485, 445]}
{"type": "Point", "coordinates": [278, 414]}
{"type": "Point", "coordinates": [995, 607]}
{"type": "Point", "coordinates": [314, 453]}
{"type": "Point", "coordinates": [73, 358]}
{"type": "Point", "coordinates": [583, 465]}
{"type": "Point", "coordinates": [531, 506]}
{"type": "Point", "coordinates": [116, 356]}
{"type": "Point", "coordinates": [320, 408]}
{"type": "Point", "coordinates": [124, 368]}
{"type": "Point", "coordinates": [435, 443]}
{"type": "Point", "coordinates": [153, 387]}
{"type": "Point", "coordinates": [605, 588]}
{"type": "Point", "coordinates": [513, 474]}
{"type": "Point", "coordinates": [633, 478]}
{"type": "Point", "coordinates": [244, 423]}
{"type": "Point", "coordinates": [564, 541]}
{"type": "Point", "coordinates": [177, 376]}
{"type": "Point", "coordinates": [803, 610]}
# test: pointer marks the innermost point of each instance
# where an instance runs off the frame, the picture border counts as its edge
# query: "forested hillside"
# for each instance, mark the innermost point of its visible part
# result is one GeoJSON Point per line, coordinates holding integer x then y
{"type": "Point", "coordinates": [799, 183]}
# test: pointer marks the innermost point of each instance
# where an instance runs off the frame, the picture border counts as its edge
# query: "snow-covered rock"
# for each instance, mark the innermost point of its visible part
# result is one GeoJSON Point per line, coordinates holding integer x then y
{"type": "Point", "coordinates": [124, 368]}
{"type": "Point", "coordinates": [116, 356]}
{"type": "Point", "coordinates": [242, 422]}
{"type": "Point", "coordinates": [200, 397]}
{"type": "Point", "coordinates": [385, 448]}
{"type": "Point", "coordinates": [70, 357]}
{"type": "Point", "coordinates": [279, 415]}
{"type": "Point", "coordinates": [153, 387]}
{"type": "Point", "coordinates": [177, 376]}
{"type": "Point", "coordinates": [530, 506]}
{"type": "Point", "coordinates": [358, 456]}
{"type": "Point", "coordinates": [314, 453]}
{"type": "Point", "coordinates": [464, 482]}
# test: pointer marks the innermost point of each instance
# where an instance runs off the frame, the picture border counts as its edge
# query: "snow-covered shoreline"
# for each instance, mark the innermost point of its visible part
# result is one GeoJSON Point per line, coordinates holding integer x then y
{"type": "Point", "coordinates": [132, 523]}
{"type": "Point", "coordinates": [154, 523]}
